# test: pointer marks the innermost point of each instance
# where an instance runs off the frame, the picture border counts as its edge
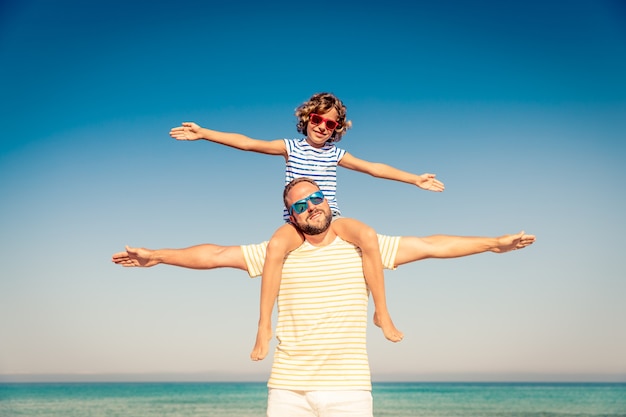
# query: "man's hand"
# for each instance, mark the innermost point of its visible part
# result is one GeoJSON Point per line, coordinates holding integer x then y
{"type": "Point", "coordinates": [508, 243]}
{"type": "Point", "coordinates": [135, 257]}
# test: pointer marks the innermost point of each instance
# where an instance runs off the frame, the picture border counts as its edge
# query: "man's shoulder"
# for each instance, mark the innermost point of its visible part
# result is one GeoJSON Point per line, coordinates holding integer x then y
{"type": "Point", "coordinates": [254, 256]}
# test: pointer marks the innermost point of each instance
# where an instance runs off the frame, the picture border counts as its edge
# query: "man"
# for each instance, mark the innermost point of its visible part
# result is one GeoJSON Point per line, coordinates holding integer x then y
{"type": "Point", "coordinates": [320, 364]}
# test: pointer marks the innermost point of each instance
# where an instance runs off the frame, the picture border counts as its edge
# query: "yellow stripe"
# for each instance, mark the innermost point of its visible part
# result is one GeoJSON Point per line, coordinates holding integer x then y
{"type": "Point", "coordinates": [322, 315]}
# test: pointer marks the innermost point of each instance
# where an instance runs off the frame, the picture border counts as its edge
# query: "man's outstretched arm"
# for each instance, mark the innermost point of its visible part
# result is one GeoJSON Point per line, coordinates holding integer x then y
{"type": "Point", "coordinates": [413, 249]}
{"type": "Point", "coordinates": [205, 256]}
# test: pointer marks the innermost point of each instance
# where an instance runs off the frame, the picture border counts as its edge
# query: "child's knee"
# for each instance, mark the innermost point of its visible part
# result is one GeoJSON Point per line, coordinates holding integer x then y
{"type": "Point", "coordinates": [281, 246]}
{"type": "Point", "coordinates": [277, 246]}
{"type": "Point", "coordinates": [369, 233]}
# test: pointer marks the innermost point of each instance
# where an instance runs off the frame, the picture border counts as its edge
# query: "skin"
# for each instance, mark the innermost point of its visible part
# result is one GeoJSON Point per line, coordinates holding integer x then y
{"type": "Point", "coordinates": [286, 238]}
{"type": "Point", "coordinates": [410, 249]}
{"type": "Point", "coordinates": [316, 137]}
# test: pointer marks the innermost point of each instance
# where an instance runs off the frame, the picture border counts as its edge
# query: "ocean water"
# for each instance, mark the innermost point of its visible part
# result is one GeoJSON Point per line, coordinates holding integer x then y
{"type": "Point", "coordinates": [249, 399]}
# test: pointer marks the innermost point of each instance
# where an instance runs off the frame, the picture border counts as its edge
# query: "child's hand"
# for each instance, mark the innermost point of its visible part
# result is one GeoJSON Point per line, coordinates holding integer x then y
{"type": "Point", "coordinates": [188, 131]}
{"type": "Point", "coordinates": [428, 182]}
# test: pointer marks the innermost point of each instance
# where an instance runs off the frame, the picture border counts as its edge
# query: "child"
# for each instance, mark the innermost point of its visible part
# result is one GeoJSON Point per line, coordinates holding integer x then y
{"type": "Point", "coordinates": [323, 120]}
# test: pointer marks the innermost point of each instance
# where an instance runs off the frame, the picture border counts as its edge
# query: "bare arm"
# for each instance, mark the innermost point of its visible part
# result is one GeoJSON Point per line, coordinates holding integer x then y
{"type": "Point", "coordinates": [192, 131]}
{"type": "Point", "coordinates": [413, 249]}
{"type": "Point", "coordinates": [380, 170]}
{"type": "Point", "coordinates": [205, 256]}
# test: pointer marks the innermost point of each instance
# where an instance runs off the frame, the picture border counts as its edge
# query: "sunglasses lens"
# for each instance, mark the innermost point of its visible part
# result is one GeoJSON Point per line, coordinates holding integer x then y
{"type": "Point", "coordinates": [300, 207]}
{"type": "Point", "coordinates": [315, 119]}
{"type": "Point", "coordinates": [331, 125]}
{"type": "Point", "coordinates": [317, 200]}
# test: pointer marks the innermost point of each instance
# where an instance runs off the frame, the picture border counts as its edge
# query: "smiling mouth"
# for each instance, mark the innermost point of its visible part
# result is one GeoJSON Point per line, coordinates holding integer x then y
{"type": "Point", "coordinates": [314, 214]}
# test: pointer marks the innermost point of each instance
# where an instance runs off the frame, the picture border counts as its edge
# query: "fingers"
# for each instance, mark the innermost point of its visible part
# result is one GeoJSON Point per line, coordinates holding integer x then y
{"type": "Point", "coordinates": [182, 133]}
{"type": "Point", "coordinates": [128, 263]}
{"type": "Point", "coordinates": [524, 240]}
{"type": "Point", "coordinates": [125, 259]}
{"type": "Point", "coordinates": [178, 133]}
{"type": "Point", "coordinates": [528, 238]}
{"type": "Point", "coordinates": [119, 257]}
{"type": "Point", "coordinates": [435, 184]}
{"type": "Point", "coordinates": [438, 185]}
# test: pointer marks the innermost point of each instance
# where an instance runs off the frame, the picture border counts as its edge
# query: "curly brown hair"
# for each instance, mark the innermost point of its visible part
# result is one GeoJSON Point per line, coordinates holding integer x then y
{"type": "Point", "coordinates": [322, 103]}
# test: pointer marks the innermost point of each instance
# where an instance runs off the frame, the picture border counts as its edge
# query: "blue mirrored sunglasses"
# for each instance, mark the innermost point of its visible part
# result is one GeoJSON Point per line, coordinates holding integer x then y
{"type": "Point", "coordinates": [300, 206]}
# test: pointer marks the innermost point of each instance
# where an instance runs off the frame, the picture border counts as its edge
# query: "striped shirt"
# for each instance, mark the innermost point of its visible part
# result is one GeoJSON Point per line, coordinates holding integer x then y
{"type": "Point", "coordinates": [322, 315]}
{"type": "Point", "coordinates": [303, 160]}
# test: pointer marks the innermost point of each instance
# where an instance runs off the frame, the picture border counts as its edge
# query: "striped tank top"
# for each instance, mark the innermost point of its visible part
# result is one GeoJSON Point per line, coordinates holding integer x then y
{"type": "Point", "coordinates": [303, 160]}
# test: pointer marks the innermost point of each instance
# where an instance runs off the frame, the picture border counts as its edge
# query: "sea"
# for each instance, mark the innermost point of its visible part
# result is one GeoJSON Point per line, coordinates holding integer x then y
{"type": "Point", "coordinates": [234, 399]}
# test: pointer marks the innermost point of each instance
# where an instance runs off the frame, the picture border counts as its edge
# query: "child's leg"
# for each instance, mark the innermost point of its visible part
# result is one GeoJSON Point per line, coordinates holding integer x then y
{"type": "Point", "coordinates": [365, 238]}
{"type": "Point", "coordinates": [285, 239]}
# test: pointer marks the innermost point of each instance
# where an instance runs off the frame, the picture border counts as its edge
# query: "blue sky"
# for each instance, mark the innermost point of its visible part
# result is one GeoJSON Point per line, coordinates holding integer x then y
{"type": "Point", "coordinates": [518, 107]}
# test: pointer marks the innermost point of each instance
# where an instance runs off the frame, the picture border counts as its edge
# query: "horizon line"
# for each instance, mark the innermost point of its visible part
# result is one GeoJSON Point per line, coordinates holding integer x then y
{"type": "Point", "coordinates": [165, 377]}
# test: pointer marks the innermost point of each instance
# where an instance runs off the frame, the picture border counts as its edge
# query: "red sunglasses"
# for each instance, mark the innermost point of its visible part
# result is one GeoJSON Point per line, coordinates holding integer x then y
{"type": "Point", "coordinates": [316, 119]}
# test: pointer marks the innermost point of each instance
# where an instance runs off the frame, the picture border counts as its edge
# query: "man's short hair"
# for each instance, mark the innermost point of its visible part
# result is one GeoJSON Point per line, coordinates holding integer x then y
{"type": "Point", "coordinates": [293, 183]}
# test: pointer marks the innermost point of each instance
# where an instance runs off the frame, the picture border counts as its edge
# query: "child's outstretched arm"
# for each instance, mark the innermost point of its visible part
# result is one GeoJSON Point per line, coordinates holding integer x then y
{"type": "Point", "coordinates": [192, 131]}
{"type": "Point", "coordinates": [375, 169]}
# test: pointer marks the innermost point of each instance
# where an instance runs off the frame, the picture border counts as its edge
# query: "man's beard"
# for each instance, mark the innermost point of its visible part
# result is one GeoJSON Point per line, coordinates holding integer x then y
{"type": "Point", "coordinates": [309, 229]}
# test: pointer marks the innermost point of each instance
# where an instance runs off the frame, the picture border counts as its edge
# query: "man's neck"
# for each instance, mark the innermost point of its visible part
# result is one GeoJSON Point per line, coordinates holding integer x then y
{"type": "Point", "coordinates": [322, 239]}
